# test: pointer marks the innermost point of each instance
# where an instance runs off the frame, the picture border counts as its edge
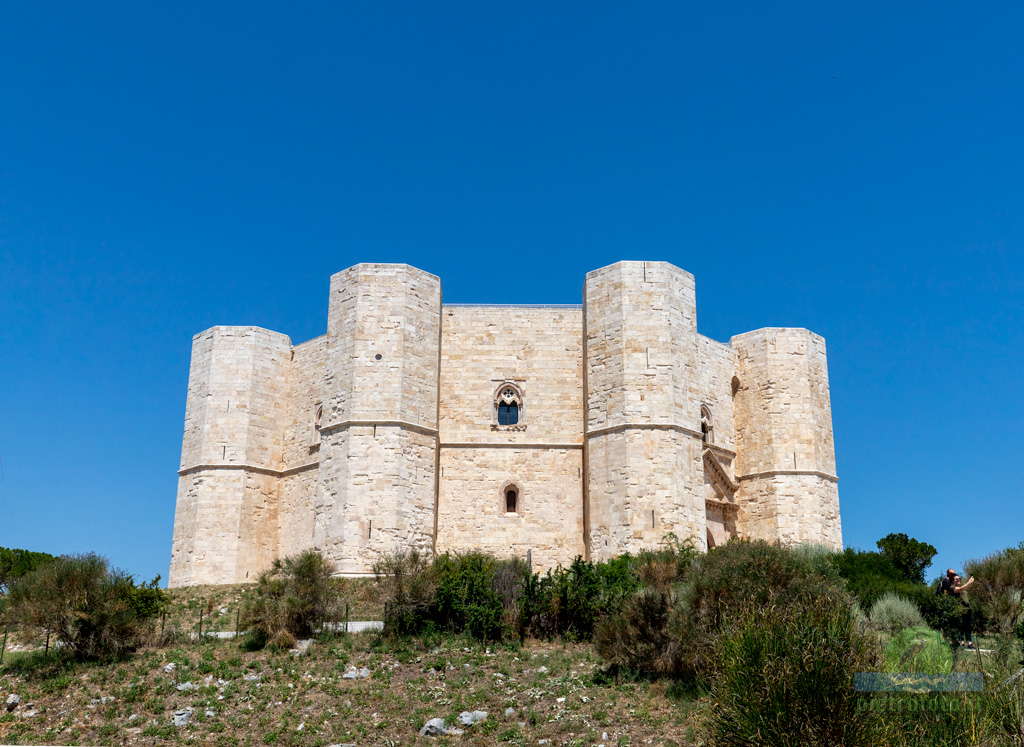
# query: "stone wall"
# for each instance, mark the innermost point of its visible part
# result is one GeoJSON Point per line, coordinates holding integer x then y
{"type": "Point", "coordinates": [608, 455]}
{"type": "Point", "coordinates": [539, 351]}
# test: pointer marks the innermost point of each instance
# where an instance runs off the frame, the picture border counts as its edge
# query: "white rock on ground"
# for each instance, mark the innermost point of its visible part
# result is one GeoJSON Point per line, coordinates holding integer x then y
{"type": "Point", "coordinates": [182, 717]}
{"type": "Point", "coordinates": [12, 702]}
{"type": "Point", "coordinates": [468, 718]}
{"type": "Point", "coordinates": [356, 674]}
{"type": "Point", "coordinates": [170, 667]}
{"type": "Point", "coordinates": [434, 728]}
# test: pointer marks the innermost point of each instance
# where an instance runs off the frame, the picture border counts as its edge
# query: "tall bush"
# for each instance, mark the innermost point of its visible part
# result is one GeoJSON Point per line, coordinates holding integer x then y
{"type": "Point", "coordinates": [407, 585]}
{"type": "Point", "coordinates": [786, 676]}
{"type": "Point", "coordinates": [568, 602]}
{"type": "Point", "coordinates": [94, 611]}
{"type": "Point", "coordinates": [473, 593]}
{"type": "Point", "coordinates": [466, 597]}
{"type": "Point", "coordinates": [999, 587]}
{"type": "Point", "coordinates": [291, 600]}
{"type": "Point", "coordinates": [719, 585]}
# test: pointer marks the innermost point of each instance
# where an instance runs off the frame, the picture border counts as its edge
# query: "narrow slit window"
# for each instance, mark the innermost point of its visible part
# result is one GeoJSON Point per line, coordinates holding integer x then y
{"type": "Point", "coordinates": [511, 500]}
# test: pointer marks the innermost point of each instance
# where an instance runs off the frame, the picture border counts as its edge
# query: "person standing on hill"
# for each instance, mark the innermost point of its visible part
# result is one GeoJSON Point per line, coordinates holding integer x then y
{"type": "Point", "coordinates": [954, 586]}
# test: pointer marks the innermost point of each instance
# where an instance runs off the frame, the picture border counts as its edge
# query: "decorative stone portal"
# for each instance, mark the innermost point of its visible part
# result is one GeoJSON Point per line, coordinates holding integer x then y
{"type": "Point", "coordinates": [720, 507]}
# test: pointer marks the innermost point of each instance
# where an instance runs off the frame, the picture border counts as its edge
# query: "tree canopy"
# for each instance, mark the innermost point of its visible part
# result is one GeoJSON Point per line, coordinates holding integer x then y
{"type": "Point", "coordinates": [15, 563]}
{"type": "Point", "coordinates": [909, 555]}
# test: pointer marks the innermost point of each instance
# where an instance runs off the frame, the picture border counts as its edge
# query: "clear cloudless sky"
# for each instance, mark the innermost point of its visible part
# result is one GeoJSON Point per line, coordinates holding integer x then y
{"type": "Point", "coordinates": [856, 170]}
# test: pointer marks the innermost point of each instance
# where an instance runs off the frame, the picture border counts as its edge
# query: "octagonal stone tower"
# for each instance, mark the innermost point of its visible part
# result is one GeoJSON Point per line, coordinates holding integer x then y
{"type": "Point", "coordinates": [378, 428]}
{"type": "Point", "coordinates": [644, 472]}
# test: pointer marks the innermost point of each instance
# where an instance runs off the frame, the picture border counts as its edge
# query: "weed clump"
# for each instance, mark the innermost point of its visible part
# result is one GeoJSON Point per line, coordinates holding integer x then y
{"type": "Point", "coordinates": [93, 611]}
{"type": "Point", "coordinates": [292, 600]}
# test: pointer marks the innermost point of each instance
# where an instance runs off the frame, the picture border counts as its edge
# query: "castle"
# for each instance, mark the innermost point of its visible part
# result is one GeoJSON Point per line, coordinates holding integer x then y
{"type": "Point", "coordinates": [556, 431]}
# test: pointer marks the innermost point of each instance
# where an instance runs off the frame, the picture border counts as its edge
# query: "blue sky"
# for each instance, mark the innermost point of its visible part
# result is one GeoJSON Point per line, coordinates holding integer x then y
{"type": "Point", "coordinates": [167, 167]}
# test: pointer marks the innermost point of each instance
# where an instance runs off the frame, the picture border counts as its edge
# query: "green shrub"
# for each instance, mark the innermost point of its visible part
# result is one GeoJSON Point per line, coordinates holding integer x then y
{"type": "Point", "coordinates": [869, 575]}
{"type": "Point", "coordinates": [998, 587]}
{"type": "Point", "coordinates": [941, 612]}
{"type": "Point", "coordinates": [568, 602]}
{"type": "Point", "coordinates": [15, 563]}
{"type": "Point", "coordinates": [893, 613]}
{"type": "Point", "coordinates": [292, 599]}
{"type": "Point", "coordinates": [93, 611]}
{"type": "Point", "coordinates": [920, 650]}
{"type": "Point", "coordinates": [718, 586]}
{"type": "Point", "coordinates": [466, 600]}
{"type": "Point", "coordinates": [471, 593]}
{"type": "Point", "coordinates": [636, 637]}
{"type": "Point", "coordinates": [786, 675]}
{"type": "Point", "coordinates": [730, 579]}
{"type": "Point", "coordinates": [407, 585]}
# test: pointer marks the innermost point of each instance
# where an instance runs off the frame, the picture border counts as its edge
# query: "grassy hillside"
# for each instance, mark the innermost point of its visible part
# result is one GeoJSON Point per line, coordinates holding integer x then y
{"type": "Point", "coordinates": [264, 697]}
{"type": "Point", "coordinates": [217, 606]}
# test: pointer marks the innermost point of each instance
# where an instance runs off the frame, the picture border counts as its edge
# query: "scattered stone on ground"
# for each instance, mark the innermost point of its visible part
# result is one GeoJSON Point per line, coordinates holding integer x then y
{"type": "Point", "coordinates": [510, 712]}
{"type": "Point", "coordinates": [184, 687]}
{"type": "Point", "coordinates": [182, 717]}
{"type": "Point", "coordinates": [468, 718]}
{"type": "Point", "coordinates": [12, 702]}
{"type": "Point", "coordinates": [301, 647]}
{"type": "Point", "coordinates": [170, 667]}
{"type": "Point", "coordinates": [356, 674]}
{"type": "Point", "coordinates": [251, 677]}
{"type": "Point", "coordinates": [436, 727]}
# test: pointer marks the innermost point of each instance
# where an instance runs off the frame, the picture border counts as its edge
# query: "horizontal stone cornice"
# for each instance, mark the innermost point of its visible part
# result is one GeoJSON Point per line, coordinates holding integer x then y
{"type": "Point", "coordinates": [507, 445]}
{"type": "Point", "coordinates": [660, 426]}
{"type": "Point", "coordinates": [798, 472]}
{"type": "Point", "coordinates": [247, 468]}
{"type": "Point", "coordinates": [424, 429]}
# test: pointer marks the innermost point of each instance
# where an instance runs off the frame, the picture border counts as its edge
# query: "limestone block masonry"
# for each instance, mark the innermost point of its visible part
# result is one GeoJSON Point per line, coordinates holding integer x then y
{"type": "Point", "coordinates": [548, 431]}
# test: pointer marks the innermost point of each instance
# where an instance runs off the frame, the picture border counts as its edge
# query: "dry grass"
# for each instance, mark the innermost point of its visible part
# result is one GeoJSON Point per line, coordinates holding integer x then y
{"type": "Point", "coordinates": [219, 604]}
{"type": "Point", "coordinates": [557, 691]}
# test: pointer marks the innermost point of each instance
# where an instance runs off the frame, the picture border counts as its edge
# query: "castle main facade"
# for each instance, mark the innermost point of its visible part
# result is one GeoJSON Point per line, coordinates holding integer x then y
{"type": "Point", "coordinates": [550, 430]}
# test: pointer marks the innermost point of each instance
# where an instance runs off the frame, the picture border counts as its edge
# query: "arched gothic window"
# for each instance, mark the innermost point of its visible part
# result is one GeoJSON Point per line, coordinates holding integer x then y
{"type": "Point", "coordinates": [707, 427]}
{"type": "Point", "coordinates": [314, 437]}
{"type": "Point", "coordinates": [511, 499]}
{"type": "Point", "coordinates": [508, 405]}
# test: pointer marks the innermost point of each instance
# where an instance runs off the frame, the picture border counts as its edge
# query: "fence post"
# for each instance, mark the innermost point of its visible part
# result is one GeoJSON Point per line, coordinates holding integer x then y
{"type": "Point", "coordinates": [201, 611]}
{"type": "Point", "coordinates": [346, 618]}
{"type": "Point", "coordinates": [47, 649]}
{"type": "Point", "coordinates": [3, 647]}
{"type": "Point", "coordinates": [529, 560]}
{"type": "Point", "coordinates": [163, 622]}
{"type": "Point", "coordinates": [238, 611]}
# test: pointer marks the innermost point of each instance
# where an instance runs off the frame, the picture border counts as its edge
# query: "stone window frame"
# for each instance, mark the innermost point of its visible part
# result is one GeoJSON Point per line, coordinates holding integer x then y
{"type": "Point", "coordinates": [520, 401]}
{"type": "Point", "coordinates": [503, 499]}
{"type": "Point", "coordinates": [318, 414]}
{"type": "Point", "coordinates": [707, 424]}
